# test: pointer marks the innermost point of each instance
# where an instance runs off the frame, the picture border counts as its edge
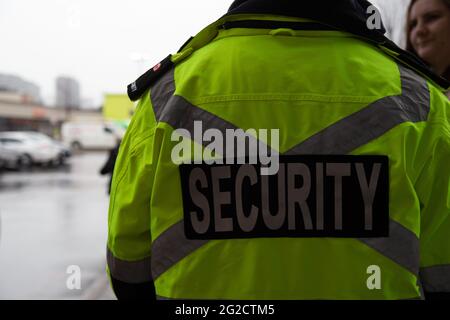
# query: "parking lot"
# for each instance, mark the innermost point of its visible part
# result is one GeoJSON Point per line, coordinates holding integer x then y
{"type": "Point", "coordinates": [53, 218]}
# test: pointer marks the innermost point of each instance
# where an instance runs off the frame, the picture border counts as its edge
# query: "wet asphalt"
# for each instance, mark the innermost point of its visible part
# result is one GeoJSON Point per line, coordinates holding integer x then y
{"type": "Point", "coordinates": [51, 219]}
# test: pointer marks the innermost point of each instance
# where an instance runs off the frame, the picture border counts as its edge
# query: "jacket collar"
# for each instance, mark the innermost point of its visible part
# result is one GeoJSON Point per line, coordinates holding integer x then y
{"type": "Point", "coordinates": [346, 15]}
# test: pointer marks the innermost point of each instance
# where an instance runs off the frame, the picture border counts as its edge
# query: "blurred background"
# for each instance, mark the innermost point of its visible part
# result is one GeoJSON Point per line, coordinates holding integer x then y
{"type": "Point", "coordinates": [64, 68]}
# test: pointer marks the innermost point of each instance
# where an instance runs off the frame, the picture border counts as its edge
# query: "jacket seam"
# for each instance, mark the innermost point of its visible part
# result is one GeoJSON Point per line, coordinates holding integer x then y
{"type": "Point", "coordinates": [279, 97]}
{"type": "Point", "coordinates": [123, 172]}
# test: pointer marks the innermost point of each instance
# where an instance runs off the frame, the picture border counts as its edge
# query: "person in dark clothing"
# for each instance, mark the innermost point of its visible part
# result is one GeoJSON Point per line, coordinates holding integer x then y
{"type": "Point", "coordinates": [108, 167]}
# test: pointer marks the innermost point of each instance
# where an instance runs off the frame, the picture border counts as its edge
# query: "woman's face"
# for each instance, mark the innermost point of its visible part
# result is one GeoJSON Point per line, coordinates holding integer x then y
{"type": "Point", "coordinates": [429, 22]}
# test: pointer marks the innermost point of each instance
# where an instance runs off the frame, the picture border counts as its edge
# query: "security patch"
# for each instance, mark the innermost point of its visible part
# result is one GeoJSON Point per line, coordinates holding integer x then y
{"type": "Point", "coordinates": [339, 196]}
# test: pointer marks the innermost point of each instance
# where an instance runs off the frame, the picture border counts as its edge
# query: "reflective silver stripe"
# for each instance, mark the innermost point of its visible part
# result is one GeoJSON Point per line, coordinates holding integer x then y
{"type": "Point", "coordinates": [436, 278]}
{"type": "Point", "coordinates": [373, 121]}
{"type": "Point", "coordinates": [181, 114]}
{"type": "Point", "coordinates": [162, 91]}
{"type": "Point", "coordinates": [129, 271]}
{"type": "Point", "coordinates": [342, 137]}
{"type": "Point", "coordinates": [402, 246]}
{"type": "Point", "coordinates": [170, 247]}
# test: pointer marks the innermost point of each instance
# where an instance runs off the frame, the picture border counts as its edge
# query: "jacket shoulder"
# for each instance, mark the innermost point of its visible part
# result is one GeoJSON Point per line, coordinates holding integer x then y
{"type": "Point", "coordinates": [136, 89]}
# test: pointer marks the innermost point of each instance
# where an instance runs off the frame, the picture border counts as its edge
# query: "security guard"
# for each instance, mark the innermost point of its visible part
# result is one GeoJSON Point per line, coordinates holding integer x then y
{"type": "Point", "coordinates": [358, 203]}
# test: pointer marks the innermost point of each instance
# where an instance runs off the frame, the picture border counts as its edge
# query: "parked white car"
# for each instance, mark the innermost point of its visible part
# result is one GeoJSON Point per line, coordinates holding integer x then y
{"type": "Point", "coordinates": [31, 150]}
{"type": "Point", "coordinates": [10, 159]}
{"type": "Point", "coordinates": [64, 150]}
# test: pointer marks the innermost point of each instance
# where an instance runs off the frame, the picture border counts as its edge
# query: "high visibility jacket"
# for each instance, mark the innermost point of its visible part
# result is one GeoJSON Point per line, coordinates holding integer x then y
{"type": "Point", "coordinates": [328, 92]}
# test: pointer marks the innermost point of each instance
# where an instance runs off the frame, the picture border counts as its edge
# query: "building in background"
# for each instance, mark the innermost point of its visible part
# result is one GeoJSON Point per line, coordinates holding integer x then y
{"type": "Point", "coordinates": [117, 107]}
{"type": "Point", "coordinates": [67, 93]}
{"type": "Point", "coordinates": [22, 110]}
{"type": "Point", "coordinates": [14, 87]}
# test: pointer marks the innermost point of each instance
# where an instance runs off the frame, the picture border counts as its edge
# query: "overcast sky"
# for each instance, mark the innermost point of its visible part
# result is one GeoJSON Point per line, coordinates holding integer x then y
{"type": "Point", "coordinates": [95, 41]}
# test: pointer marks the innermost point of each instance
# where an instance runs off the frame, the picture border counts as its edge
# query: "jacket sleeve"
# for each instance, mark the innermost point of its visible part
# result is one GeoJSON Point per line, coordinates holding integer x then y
{"type": "Point", "coordinates": [129, 238]}
{"type": "Point", "coordinates": [433, 190]}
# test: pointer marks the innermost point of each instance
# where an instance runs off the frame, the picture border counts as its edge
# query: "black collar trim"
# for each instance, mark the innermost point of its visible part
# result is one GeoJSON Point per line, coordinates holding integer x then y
{"type": "Point", "coordinates": [265, 24]}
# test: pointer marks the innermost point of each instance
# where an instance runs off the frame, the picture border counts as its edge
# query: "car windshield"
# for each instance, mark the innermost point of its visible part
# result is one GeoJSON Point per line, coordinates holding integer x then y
{"type": "Point", "coordinates": [10, 141]}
